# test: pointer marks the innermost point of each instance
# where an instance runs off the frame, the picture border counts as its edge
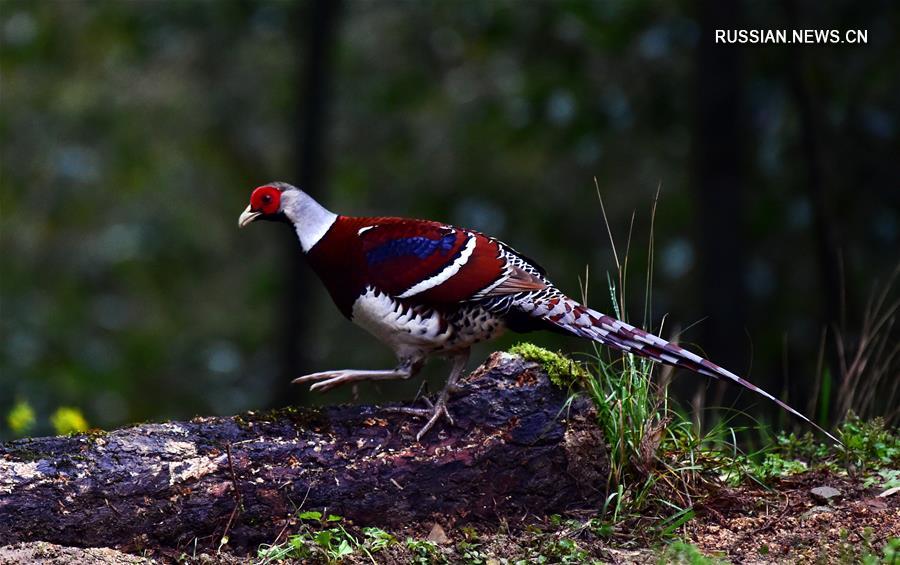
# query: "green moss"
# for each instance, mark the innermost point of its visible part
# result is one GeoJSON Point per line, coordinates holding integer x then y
{"type": "Point", "coordinates": [93, 434]}
{"type": "Point", "coordinates": [26, 455]}
{"type": "Point", "coordinates": [561, 370]}
{"type": "Point", "coordinates": [241, 422]}
{"type": "Point", "coordinates": [27, 450]}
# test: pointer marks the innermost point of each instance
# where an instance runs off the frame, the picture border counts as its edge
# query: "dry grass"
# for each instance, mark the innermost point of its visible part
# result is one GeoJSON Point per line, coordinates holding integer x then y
{"type": "Point", "coordinates": [869, 363]}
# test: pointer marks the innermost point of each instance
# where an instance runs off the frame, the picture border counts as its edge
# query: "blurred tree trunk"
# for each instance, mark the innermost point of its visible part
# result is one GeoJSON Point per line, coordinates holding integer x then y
{"type": "Point", "coordinates": [719, 191]}
{"type": "Point", "coordinates": [834, 303]}
{"type": "Point", "coordinates": [315, 64]}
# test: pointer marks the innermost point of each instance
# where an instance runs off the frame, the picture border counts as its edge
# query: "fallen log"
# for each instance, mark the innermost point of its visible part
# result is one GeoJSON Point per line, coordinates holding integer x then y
{"type": "Point", "coordinates": [516, 448]}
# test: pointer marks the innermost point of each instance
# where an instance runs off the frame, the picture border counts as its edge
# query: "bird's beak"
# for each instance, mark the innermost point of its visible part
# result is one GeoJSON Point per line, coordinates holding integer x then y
{"type": "Point", "coordinates": [248, 216]}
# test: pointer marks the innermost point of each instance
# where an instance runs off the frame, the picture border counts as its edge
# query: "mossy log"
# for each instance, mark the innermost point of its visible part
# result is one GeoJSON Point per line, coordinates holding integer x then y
{"type": "Point", "coordinates": [517, 448]}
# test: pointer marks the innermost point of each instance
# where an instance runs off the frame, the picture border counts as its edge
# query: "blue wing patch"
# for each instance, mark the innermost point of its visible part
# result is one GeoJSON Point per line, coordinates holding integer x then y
{"type": "Point", "coordinates": [421, 247]}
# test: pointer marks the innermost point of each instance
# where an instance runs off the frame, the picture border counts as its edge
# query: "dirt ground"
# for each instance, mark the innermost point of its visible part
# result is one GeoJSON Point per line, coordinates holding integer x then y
{"type": "Point", "coordinates": [789, 523]}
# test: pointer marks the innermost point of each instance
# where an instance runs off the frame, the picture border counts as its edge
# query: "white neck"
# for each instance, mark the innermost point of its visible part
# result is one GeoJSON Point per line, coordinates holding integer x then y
{"type": "Point", "coordinates": [311, 219]}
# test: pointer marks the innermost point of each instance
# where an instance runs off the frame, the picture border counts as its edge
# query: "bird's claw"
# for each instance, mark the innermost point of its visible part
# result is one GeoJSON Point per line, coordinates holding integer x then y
{"type": "Point", "coordinates": [330, 379]}
{"type": "Point", "coordinates": [434, 412]}
{"type": "Point", "coordinates": [327, 380]}
{"type": "Point", "coordinates": [440, 409]}
{"type": "Point", "coordinates": [326, 385]}
{"type": "Point", "coordinates": [324, 375]}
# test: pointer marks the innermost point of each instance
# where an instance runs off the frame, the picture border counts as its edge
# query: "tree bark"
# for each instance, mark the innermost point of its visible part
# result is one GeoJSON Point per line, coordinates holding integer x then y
{"type": "Point", "coordinates": [516, 448]}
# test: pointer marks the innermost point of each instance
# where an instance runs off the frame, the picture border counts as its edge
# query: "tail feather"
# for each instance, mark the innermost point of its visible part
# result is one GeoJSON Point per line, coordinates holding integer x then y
{"type": "Point", "coordinates": [582, 321]}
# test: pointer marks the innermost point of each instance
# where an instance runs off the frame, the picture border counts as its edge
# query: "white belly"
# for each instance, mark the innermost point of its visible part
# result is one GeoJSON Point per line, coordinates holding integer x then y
{"type": "Point", "coordinates": [419, 331]}
{"type": "Point", "coordinates": [408, 331]}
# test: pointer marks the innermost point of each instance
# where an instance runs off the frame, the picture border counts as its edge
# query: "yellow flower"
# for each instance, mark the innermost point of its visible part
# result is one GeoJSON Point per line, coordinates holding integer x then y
{"type": "Point", "coordinates": [21, 418]}
{"type": "Point", "coordinates": [67, 420]}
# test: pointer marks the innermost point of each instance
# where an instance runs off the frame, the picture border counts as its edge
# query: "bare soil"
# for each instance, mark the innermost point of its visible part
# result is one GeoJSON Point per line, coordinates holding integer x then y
{"type": "Point", "coordinates": [788, 524]}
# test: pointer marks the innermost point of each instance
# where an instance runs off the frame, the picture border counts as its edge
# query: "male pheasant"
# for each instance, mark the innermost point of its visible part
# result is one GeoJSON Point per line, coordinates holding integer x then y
{"type": "Point", "coordinates": [430, 289]}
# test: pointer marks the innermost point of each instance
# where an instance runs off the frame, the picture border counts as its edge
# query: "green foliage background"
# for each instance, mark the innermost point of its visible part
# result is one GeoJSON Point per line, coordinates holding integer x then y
{"type": "Point", "coordinates": [133, 132]}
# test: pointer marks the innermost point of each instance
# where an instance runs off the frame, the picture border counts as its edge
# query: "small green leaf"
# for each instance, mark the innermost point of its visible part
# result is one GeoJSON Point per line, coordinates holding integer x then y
{"type": "Point", "coordinates": [378, 538]}
{"type": "Point", "coordinates": [311, 515]}
{"type": "Point", "coordinates": [344, 549]}
{"type": "Point", "coordinates": [323, 538]}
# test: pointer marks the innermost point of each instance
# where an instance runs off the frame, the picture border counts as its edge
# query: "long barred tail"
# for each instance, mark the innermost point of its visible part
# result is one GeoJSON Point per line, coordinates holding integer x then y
{"type": "Point", "coordinates": [569, 315]}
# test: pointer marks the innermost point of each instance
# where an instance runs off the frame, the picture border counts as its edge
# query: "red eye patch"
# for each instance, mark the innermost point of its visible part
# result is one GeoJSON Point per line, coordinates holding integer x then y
{"type": "Point", "coordinates": [265, 199]}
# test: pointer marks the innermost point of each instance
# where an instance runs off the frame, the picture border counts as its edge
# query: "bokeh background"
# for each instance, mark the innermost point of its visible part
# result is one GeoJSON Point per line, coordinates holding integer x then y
{"type": "Point", "coordinates": [133, 132]}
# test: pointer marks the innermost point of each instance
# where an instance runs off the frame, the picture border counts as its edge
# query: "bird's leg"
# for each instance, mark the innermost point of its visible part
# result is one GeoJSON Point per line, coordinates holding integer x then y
{"type": "Point", "coordinates": [327, 380]}
{"type": "Point", "coordinates": [439, 408]}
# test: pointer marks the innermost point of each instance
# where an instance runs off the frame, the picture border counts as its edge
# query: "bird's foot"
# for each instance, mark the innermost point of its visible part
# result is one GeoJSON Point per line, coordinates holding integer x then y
{"type": "Point", "coordinates": [434, 412]}
{"type": "Point", "coordinates": [327, 380]}
{"type": "Point", "coordinates": [439, 410]}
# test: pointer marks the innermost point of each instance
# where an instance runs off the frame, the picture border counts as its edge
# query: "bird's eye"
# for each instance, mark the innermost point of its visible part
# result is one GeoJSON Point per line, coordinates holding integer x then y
{"type": "Point", "coordinates": [265, 199]}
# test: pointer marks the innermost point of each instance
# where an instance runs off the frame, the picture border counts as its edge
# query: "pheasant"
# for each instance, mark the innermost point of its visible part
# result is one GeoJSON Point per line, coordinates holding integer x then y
{"type": "Point", "coordinates": [430, 289]}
